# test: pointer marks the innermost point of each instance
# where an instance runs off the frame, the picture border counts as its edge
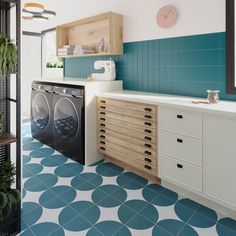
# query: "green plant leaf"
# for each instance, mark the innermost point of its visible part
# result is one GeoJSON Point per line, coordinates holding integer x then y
{"type": "Point", "coordinates": [7, 210]}
{"type": "Point", "coordinates": [3, 200]}
{"type": "Point", "coordinates": [15, 195]}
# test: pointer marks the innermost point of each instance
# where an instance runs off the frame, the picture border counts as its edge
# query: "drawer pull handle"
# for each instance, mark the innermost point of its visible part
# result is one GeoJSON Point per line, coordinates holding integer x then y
{"type": "Point", "coordinates": [179, 116]}
{"type": "Point", "coordinates": [102, 113]}
{"type": "Point", "coordinates": [148, 109]}
{"type": "Point", "coordinates": [148, 131]}
{"type": "Point", "coordinates": [102, 101]}
{"type": "Point", "coordinates": [103, 125]}
{"type": "Point", "coordinates": [148, 160]}
{"type": "Point", "coordinates": [179, 140]}
{"type": "Point", "coordinates": [102, 142]}
{"type": "Point", "coordinates": [102, 148]}
{"type": "Point", "coordinates": [148, 138]}
{"type": "Point", "coordinates": [103, 119]}
{"type": "Point", "coordinates": [148, 124]}
{"type": "Point", "coordinates": [102, 136]}
{"type": "Point", "coordinates": [147, 145]}
{"type": "Point", "coordinates": [102, 131]}
{"type": "Point", "coordinates": [148, 167]}
{"type": "Point", "coordinates": [102, 107]}
{"type": "Point", "coordinates": [148, 153]}
{"type": "Point", "coordinates": [180, 166]}
{"type": "Point", "coordinates": [148, 117]}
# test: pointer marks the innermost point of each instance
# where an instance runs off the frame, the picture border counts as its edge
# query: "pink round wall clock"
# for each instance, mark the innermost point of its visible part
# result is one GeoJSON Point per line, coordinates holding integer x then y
{"type": "Point", "coordinates": [166, 16]}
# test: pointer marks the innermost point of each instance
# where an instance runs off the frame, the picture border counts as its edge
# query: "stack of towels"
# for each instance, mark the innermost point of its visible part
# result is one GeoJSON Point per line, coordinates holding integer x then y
{"type": "Point", "coordinates": [66, 50]}
{"type": "Point", "coordinates": [83, 49]}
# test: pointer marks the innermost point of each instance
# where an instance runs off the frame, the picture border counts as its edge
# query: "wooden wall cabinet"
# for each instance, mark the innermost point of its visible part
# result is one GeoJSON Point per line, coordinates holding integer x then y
{"type": "Point", "coordinates": [90, 31]}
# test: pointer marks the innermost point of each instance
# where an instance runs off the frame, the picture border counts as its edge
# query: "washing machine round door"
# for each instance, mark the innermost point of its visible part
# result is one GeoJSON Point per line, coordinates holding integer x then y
{"type": "Point", "coordinates": [66, 119]}
{"type": "Point", "coordinates": [40, 111]}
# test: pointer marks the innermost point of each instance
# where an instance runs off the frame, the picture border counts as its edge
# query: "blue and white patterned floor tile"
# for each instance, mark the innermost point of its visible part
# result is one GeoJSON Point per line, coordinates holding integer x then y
{"type": "Point", "coordinates": [64, 198]}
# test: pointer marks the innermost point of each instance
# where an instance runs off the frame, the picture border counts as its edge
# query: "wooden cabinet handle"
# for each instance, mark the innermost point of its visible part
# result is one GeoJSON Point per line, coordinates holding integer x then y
{"type": "Point", "coordinates": [179, 116]}
{"type": "Point", "coordinates": [148, 153]}
{"type": "Point", "coordinates": [148, 109]}
{"type": "Point", "coordinates": [102, 101]}
{"type": "Point", "coordinates": [102, 107]}
{"type": "Point", "coordinates": [102, 148]}
{"type": "Point", "coordinates": [147, 160]}
{"type": "Point", "coordinates": [103, 125]}
{"type": "Point", "coordinates": [148, 138]}
{"type": "Point", "coordinates": [147, 123]}
{"type": "Point", "coordinates": [102, 142]}
{"type": "Point", "coordinates": [180, 166]}
{"type": "Point", "coordinates": [148, 117]}
{"type": "Point", "coordinates": [147, 167]}
{"type": "Point", "coordinates": [102, 131]}
{"type": "Point", "coordinates": [102, 113]}
{"type": "Point", "coordinates": [103, 119]}
{"type": "Point", "coordinates": [179, 140]}
{"type": "Point", "coordinates": [147, 145]}
{"type": "Point", "coordinates": [102, 136]}
{"type": "Point", "coordinates": [148, 131]}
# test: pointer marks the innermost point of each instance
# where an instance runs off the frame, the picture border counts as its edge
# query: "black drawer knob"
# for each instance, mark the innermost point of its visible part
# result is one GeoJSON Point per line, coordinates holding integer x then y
{"type": "Point", "coordinates": [102, 101]}
{"type": "Point", "coordinates": [102, 113]}
{"type": "Point", "coordinates": [102, 107]}
{"type": "Point", "coordinates": [148, 117]}
{"type": "Point", "coordinates": [102, 142]}
{"type": "Point", "coordinates": [148, 153]}
{"type": "Point", "coordinates": [102, 131]}
{"type": "Point", "coordinates": [103, 119]}
{"type": "Point", "coordinates": [147, 167]}
{"type": "Point", "coordinates": [102, 136]}
{"type": "Point", "coordinates": [180, 166]}
{"type": "Point", "coordinates": [147, 160]}
{"type": "Point", "coordinates": [148, 109]}
{"type": "Point", "coordinates": [147, 145]}
{"type": "Point", "coordinates": [148, 138]}
{"type": "Point", "coordinates": [103, 125]}
{"type": "Point", "coordinates": [148, 123]}
{"type": "Point", "coordinates": [179, 140]}
{"type": "Point", "coordinates": [179, 116]}
{"type": "Point", "coordinates": [148, 131]}
{"type": "Point", "coordinates": [102, 148]}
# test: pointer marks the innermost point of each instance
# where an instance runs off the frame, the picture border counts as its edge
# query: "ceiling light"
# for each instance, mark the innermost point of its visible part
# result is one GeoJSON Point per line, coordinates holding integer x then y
{"type": "Point", "coordinates": [49, 14]}
{"type": "Point", "coordinates": [27, 17]}
{"type": "Point", "coordinates": [34, 7]}
{"type": "Point", "coordinates": [27, 13]}
{"type": "Point", "coordinates": [40, 18]}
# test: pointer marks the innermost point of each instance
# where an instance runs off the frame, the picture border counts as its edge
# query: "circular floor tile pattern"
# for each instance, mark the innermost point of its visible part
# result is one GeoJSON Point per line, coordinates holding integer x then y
{"type": "Point", "coordinates": [200, 221]}
{"type": "Point", "coordinates": [32, 214]}
{"type": "Point", "coordinates": [138, 214]}
{"type": "Point", "coordinates": [31, 169]}
{"type": "Point", "coordinates": [57, 197]}
{"type": "Point", "coordinates": [187, 203]}
{"type": "Point", "coordinates": [47, 151]}
{"type": "Point", "coordinates": [79, 216]}
{"type": "Point", "coordinates": [47, 228]}
{"type": "Point", "coordinates": [108, 169]}
{"type": "Point", "coordinates": [183, 213]}
{"type": "Point", "coordinates": [226, 227]}
{"type": "Point", "coordinates": [87, 181]}
{"type": "Point", "coordinates": [23, 193]}
{"type": "Point", "coordinates": [37, 154]}
{"type": "Point", "coordinates": [69, 170]}
{"type": "Point", "coordinates": [54, 160]}
{"type": "Point", "coordinates": [107, 228]}
{"type": "Point", "coordinates": [26, 159]}
{"type": "Point", "coordinates": [32, 146]}
{"type": "Point", "coordinates": [131, 181]}
{"type": "Point", "coordinates": [174, 227]}
{"type": "Point", "coordinates": [40, 182]}
{"type": "Point", "coordinates": [109, 195]}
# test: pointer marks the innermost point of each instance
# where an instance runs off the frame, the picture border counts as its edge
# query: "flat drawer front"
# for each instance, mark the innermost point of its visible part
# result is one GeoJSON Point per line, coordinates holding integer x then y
{"type": "Point", "coordinates": [182, 173]}
{"type": "Point", "coordinates": [126, 141]}
{"type": "Point", "coordinates": [128, 119]}
{"type": "Point", "coordinates": [134, 106]}
{"type": "Point", "coordinates": [102, 120]}
{"type": "Point", "coordinates": [182, 147]}
{"type": "Point", "coordinates": [141, 136]}
{"type": "Point", "coordinates": [182, 122]}
{"type": "Point", "coordinates": [146, 156]}
{"type": "Point", "coordinates": [134, 162]}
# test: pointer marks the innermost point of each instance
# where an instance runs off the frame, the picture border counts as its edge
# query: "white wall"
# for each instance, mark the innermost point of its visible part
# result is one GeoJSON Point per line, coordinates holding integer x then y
{"type": "Point", "coordinates": [30, 69]}
{"type": "Point", "coordinates": [194, 16]}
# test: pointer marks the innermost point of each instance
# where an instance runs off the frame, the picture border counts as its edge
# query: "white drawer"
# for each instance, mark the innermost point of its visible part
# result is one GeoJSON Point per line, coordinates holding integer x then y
{"type": "Point", "coordinates": [182, 147]}
{"type": "Point", "coordinates": [181, 173]}
{"type": "Point", "coordinates": [182, 122]}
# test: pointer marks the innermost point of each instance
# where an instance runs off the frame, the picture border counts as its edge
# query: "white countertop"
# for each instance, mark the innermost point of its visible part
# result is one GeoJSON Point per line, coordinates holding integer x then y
{"type": "Point", "coordinates": [222, 107]}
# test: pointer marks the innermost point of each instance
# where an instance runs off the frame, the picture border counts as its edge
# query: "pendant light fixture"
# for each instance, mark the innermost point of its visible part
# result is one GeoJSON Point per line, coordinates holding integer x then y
{"type": "Point", "coordinates": [34, 7]}
{"type": "Point", "coordinates": [49, 14]}
{"type": "Point", "coordinates": [40, 18]}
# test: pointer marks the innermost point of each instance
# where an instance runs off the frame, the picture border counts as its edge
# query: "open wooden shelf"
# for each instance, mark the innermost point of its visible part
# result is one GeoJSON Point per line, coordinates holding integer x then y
{"type": "Point", "coordinates": [6, 139]}
{"type": "Point", "coordinates": [90, 31]}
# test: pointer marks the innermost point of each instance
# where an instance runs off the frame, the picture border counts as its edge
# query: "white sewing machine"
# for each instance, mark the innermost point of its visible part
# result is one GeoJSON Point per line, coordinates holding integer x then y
{"type": "Point", "coordinates": [109, 72]}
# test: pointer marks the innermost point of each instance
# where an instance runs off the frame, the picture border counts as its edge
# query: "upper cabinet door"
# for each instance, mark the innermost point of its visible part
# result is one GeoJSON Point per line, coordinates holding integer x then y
{"type": "Point", "coordinates": [220, 160]}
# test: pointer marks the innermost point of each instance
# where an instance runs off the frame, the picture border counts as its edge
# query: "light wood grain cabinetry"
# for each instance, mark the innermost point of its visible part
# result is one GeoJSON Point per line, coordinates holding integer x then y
{"type": "Point", "coordinates": [127, 131]}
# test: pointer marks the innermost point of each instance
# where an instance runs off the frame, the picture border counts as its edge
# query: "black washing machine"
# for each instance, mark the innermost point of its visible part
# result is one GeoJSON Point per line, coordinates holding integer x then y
{"type": "Point", "coordinates": [68, 121]}
{"type": "Point", "coordinates": [41, 115]}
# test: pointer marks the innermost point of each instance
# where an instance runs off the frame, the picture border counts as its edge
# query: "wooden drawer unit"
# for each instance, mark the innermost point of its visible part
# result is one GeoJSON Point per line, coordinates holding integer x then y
{"type": "Point", "coordinates": [182, 123]}
{"type": "Point", "coordinates": [127, 131]}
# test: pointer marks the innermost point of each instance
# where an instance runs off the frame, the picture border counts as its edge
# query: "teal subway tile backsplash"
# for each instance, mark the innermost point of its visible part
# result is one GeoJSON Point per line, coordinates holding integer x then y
{"type": "Point", "coordinates": [186, 65]}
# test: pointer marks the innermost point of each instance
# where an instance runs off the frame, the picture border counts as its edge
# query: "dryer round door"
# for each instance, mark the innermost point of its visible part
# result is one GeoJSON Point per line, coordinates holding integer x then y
{"type": "Point", "coordinates": [66, 119]}
{"type": "Point", "coordinates": [40, 111]}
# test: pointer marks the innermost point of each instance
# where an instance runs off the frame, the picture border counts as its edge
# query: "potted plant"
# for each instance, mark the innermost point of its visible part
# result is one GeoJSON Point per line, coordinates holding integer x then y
{"type": "Point", "coordinates": [8, 55]}
{"type": "Point", "coordinates": [1, 123]}
{"type": "Point", "coordinates": [8, 196]}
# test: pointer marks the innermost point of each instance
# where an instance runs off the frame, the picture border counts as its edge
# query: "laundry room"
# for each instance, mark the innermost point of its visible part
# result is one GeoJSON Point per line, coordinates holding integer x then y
{"type": "Point", "coordinates": [117, 118]}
